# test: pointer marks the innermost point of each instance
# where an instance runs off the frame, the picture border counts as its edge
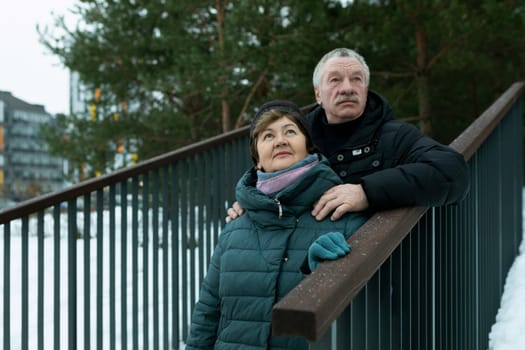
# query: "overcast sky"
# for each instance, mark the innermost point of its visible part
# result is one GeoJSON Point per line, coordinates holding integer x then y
{"type": "Point", "coordinates": [26, 69]}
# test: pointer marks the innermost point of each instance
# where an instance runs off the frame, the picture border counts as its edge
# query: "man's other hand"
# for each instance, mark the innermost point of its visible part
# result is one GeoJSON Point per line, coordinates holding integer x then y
{"type": "Point", "coordinates": [340, 200]}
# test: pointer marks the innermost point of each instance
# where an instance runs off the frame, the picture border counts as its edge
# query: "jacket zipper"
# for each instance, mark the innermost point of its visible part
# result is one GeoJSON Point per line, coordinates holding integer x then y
{"type": "Point", "coordinates": [280, 207]}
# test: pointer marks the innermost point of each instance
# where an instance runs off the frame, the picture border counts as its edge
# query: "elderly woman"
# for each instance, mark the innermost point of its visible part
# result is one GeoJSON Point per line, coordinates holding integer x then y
{"type": "Point", "coordinates": [264, 254]}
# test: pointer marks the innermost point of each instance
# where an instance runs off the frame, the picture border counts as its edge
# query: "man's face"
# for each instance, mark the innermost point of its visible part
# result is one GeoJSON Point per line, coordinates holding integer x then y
{"type": "Point", "coordinates": [342, 90]}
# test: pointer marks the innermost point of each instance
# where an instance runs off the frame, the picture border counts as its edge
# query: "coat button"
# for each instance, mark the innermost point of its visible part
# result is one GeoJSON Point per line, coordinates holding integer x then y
{"type": "Point", "coordinates": [375, 163]}
{"type": "Point", "coordinates": [342, 173]}
{"type": "Point", "coordinates": [340, 157]}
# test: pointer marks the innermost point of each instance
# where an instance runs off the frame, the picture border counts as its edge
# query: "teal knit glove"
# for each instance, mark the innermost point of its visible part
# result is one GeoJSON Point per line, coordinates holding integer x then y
{"type": "Point", "coordinates": [329, 246]}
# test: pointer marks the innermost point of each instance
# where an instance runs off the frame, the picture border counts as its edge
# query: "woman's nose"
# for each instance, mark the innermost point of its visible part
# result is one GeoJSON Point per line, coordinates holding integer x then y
{"type": "Point", "coordinates": [280, 140]}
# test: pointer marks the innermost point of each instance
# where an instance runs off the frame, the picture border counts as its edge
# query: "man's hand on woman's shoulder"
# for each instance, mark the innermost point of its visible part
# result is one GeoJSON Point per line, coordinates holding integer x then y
{"type": "Point", "coordinates": [234, 212]}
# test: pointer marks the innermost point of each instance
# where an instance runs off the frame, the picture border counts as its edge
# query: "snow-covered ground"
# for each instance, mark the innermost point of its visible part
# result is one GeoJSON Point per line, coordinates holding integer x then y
{"type": "Point", "coordinates": [508, 332]}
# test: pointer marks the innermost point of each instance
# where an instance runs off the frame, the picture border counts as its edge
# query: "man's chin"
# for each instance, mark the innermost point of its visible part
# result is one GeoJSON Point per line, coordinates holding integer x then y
{"type": "Point", "coordinates": [344, 115]}
{"type": "Point", "coordinates": [352, 111]}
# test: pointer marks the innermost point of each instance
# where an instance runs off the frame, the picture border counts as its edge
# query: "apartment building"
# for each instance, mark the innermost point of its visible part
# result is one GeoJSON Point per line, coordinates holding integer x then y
{"type": "Point", "coordinates": [26, 167]}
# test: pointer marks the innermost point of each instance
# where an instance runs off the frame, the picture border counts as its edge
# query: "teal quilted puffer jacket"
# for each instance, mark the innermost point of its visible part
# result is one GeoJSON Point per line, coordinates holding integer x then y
{"type": "Point", "coordinates": [257, 261]}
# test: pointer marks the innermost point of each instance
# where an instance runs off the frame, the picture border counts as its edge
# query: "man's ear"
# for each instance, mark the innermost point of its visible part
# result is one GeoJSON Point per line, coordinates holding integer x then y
{"type": "Point", "coordinates": [317, 95]}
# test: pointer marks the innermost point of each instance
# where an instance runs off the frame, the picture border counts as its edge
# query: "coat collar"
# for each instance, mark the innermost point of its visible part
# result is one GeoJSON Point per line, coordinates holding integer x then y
{"type": "Point", "coordinates": [292, 201]}
{"type": "Point", "coordinates": [357, 133]}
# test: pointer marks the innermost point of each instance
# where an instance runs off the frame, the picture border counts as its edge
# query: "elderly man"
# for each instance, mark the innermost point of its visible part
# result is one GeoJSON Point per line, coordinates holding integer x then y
{"type": "Point", "coordinates": [384, 163]}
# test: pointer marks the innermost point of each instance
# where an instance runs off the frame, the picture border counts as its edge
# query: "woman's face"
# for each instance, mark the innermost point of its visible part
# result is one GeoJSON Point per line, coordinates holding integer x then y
{"type": "Point", "coordinates": [280, 145]}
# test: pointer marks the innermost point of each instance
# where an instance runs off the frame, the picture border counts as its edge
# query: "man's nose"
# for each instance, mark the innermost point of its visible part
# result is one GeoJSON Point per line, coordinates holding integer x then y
{"type": "Point", "coordinates": [346, 86]}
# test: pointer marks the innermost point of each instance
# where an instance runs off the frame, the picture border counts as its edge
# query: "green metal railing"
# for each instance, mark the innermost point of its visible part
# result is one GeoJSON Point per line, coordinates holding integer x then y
{"type": "Point", "coordinates": [117, 261]}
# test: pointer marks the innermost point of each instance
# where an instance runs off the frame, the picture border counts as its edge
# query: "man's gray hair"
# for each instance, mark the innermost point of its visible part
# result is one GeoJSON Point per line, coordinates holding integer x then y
{"type": "Point", "coordinates": [339, 52]}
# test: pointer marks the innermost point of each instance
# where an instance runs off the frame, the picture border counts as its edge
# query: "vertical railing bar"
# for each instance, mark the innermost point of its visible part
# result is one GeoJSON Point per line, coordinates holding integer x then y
{"type": "Point", "coordinates": [56, 277]}
{"type": "Point", "coordinates": [424, 277]}
{"type": "Point", "coordinates": [433, 279]}
{"type": "Point", "coordinates": [100, 267]}
{"type": "Point", "coordinates": [451, 286]}
{"type": "Point", "coordinates": [72, 272]}
{"type": "Point", "coordinates": [229, 188]}
{"type": "Point", "coordinates": [372, 311]}
{"type": "Point", "coordinates": [463, 281]}
{"type": "Point", "coordinates": [439, 297]}
{"type": "Point", "coordinates": [467, 226]}
{"type": "Point", "coordinates": [452, 289]}
{"type": "Point", "coordinates": [192, 246]}
{"type": "Point", "coordinates": [464, 272]}
{"type": "Point", "coordinates": [165, 238]}
{"type": "Point", "coordinates": [200, 216]}
{"type": "Point", "coordinates": [385, 305]}
{"type": "Point", "coordinates": [484, 264]}
{"type": "Point", "coordinates": [211, 195]}
{"type": "Point", "coordinates": [145, 257]}
{"type": "Point", "coordinates": [462, 253]}
{"type": "Point", "coordinates": [206, 190]}
{"type": "Point", "coordinates": [480, 262]}
{"type": "Point", "coordinates": [155, 267]}
{"type": "Point", "coordinates": [7, 286]}
{"type": "Point", "coordinates": [112, 267]}
{"type": "Point", "coordinates": [501, 277]}
{"type": "Point", "coordinates": [406, 293]}
{"type": "Point", "coordinates": [124, 265]}
{"type": "Point", "coordinates": [87, 270]}
{"type": "Point", "coordinates": [175, 246]}
{"type": "Point", "coordinates": [342, 330]}
{"type": "Point", "coordinates": [388, 295]}
{"type": "Point", "coordinates": [220, 199]}
{"type": "Point", "coordinates": [476, 255]}
{"type": "Point", "coordinates": [40, 286]}
{"type": "Point", "coordinates": [216, 205]}
{"type": "Point", "coordinates": [415, 273]}
{"type": "Point", "coordinates": [134, 260]}
{"type": "Point", "coordinates": [25, 282]}
{"type": "Point", "coordinates": [403, 290]}
{"type": "Point", "coordinates": [452, 227]}
{"type": "Point", "coordinates": [418, 278]}
{"type": "Point", "coordinates": [412, 284]}
{"type": "Point", "coordinates": [487, 241]}
{"type": "Point", "coordinates": [358, 321]}
{"type": "Point", "coordinates": [395, 292]}
{"type": "Point", "coordinates": [184, 247]}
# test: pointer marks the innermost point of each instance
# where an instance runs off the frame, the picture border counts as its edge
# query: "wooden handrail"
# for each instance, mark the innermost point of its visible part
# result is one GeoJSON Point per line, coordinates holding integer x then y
{"type": "Point", "coordinates": [309, 309]}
